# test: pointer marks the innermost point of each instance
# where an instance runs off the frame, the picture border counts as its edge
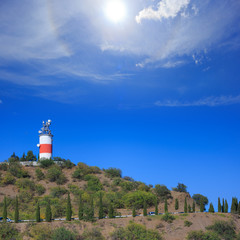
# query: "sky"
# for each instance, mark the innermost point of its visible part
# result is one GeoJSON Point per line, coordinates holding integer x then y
{"type": "Point", "coordinates": [150, 87]}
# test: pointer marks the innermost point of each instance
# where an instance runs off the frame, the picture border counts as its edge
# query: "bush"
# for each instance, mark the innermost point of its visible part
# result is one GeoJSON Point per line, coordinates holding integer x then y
{"type": "Point", "coordinates": [93, 234]}
{"type": "Point", "coordinates": [162, 192]}
{"type": "Point", "coordinates": [4, 166]}
{"type": "Point", "coordinates": [39, 231]}
{"type": "Point", "coordinates": [39, 174]}
{"type": "Point", "coordinates": [25, 184]}
{"type": "Point", "coordinates": [63, 234]}
{"type": "Point", "coordinates": [137, 199]}
{"type": "Point", "coordinates": [93, 183]}
{"type": "Point", "coordinates": [55, 174]}
{"type": "Point", "coordinates": [127, 186]}
{"type": "Point", "coordinates": [187, 223]}
{"type": "Point", "coordinates": [8, 231]}
{"type": "Point", "coordinates": [168, 218]}
{"type": "Point", "coordinates": [135, 231]}
{"type": "Point", "coordinates": [58, 191]}
{"type": "Point", "coordinates": [117, 181]}
{"type": "Point", "coordinates": [74, 189]}
{"type": "Point", "coordinates": [83, 170]}
{"type": "Point", "coordinates": [25, 196]}
{"type": "Point", "coordinates": [225, 230]}
{"type": "Point", "coordinates": [200, 235]}
{"type": "Point", "coordinates": [8, 179]}
{"type": "Point", "coordinates": [40, 189]}
{"type": "Point", "coordinates": [113, 172]}
{"type": "Point", "coordinates": [16, 170]}
{"type": "Point", "coordinates": [45, 163]}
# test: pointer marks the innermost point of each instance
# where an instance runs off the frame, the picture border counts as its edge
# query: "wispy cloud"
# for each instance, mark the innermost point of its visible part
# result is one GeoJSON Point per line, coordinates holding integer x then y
{"type": "Point", "coordinates": [208, 101]}
{"type": "Point", "coordinates": [165, 9]}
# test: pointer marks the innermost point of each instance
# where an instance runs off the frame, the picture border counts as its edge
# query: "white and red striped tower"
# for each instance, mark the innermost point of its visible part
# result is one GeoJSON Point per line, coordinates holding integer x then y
{"type": "Point", "coordinates": [45, 141]}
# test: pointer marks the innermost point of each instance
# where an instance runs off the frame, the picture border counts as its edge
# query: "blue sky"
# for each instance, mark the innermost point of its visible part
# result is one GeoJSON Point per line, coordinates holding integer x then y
{"type": "Point", "coordinates": [155, 92]}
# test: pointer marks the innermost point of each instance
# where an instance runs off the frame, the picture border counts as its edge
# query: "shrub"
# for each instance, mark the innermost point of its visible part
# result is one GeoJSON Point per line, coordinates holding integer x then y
{"type": "Point", "coordinates": [39, 174]}
{"type": "Point", "coordinates": [63, 234]}
{"type": "Point", "coordinates": [93, 183]}
{"type": "Point", "coordinates": [168, 218]}
{"type": "Point", "coordinates": [25, 184]}
{"type": "Point", "coordinates": [16, 170]}
{"type": "Point", "coordinates": [39, 231]}
{"type": "Point", "coordinates": [40, 189]}
{"type": "Point", "coordinates": [8, 231]}
{"type": "Point", "coordinates": [57, 192]}
{"type": "Point", "coordinates": [55, 174]}
{"type": "Point", "coordinates": [68, 164]}
{"type": "Point", "coordinates": [113, 172]}
{"type": "Point", "coordinates": [200, 235]}
{"type": "Point", "coordinates": [74, 189]}
{"type": "Point", "coordinates": [135, 231]}
{"type": "Point", "coordinates": [225, 230]}
{"type": "Point", "coordinates": [117, 181]}
{"type": "Point", "coordinates": [83, 170]}
{"type": "Point", "coordinates": [4, 166]}
{"type": "Point", "coordinates": [127, 186]}
{"type": "Point", "coordinates": [25, 196]}
{"type": "Point", "coordinates": [187, 223]}
{"type": "Point", "coordinates": [8, 179]}
{"type": "Point", "coordinates": [93, 234]}
{"type": "Point", "coordinates": [45, 163]}
{"type": "Point", "coordinates": [137, 199]}
{"type": "Point", "coordinates": [162, 192]}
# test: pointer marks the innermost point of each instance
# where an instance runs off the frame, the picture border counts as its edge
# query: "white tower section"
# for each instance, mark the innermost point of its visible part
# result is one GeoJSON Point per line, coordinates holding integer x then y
{"type": "Point", "coordinates": [45, 141]}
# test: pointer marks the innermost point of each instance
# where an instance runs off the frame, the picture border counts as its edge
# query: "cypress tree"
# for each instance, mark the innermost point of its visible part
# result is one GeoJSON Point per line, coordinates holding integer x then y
{"type": "Point", "coordinates": [193, 206]}
{"type": "Point", "coordinates": [16, 214]}
{"type": "Point", "coordinates": [144, 208]}
{"type": "Point", "coordinates": [201, 205]}
{"type": "Point", "coordinates": [38, 213]}
{"type": "Point", "coordinates": [111, 211]}
{"type": "Point", "coordinates": [69, 209]}
{"type": "Point", "coordinates": [226, 206]}
{"type": "Point", "coordinates": [238, 208]}
{"type": "Point", "coordinates": [176, 204]}
{"type": "Point", "coordinates": [48, 214]}
{"type": "Point", "coordinates": [156, 207]}
{"type": "Point", "coordinates": [166, 206]}
{"type": "Point", "coordinates": [185, 205]}
{"type": "Point", "coordinates": [219, 205]}
{"type": "Point", "coordinates": [100, 215]}
{"type": "Point", "coordinates": [5, 209]}
{"type": "Point", "coordinates": [91, 215]}
{"type": "Point", "coordinates": [234, 205]}
{"type": "Point", "coordinates": [134, 211]}
{"type": "Point", "coordinates": [189, 208]}
{"type": "Point", "coordinates": [80, 208]}
{"type": "Point", "coordinates": [223, 208]}
{"type": "Point", "coordinates": [211, 208]}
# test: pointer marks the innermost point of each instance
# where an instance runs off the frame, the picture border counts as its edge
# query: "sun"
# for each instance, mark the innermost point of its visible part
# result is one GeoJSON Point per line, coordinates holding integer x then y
{"type": "Point", "coordinates": [115, 11]}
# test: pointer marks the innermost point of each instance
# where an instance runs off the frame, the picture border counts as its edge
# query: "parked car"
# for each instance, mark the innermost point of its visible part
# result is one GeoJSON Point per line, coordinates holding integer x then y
{"type": "Point", "coordinates": [151, 213]}
{"type": "Point", "coordinates": [8, 219]}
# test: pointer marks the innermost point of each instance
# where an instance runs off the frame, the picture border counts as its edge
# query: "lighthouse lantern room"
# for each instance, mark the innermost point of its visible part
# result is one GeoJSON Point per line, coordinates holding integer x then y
{"type": "Point", "coordinates": [45, 141]}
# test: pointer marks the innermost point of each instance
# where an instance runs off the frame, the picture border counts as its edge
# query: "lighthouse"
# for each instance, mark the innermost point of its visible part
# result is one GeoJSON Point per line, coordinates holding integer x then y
{"type": "Point", "coordinates": [45, 141]}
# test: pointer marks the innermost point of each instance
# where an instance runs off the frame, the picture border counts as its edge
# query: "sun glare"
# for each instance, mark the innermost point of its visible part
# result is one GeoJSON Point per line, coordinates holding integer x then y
{"type": "Point", "coordinates": [115, 10]}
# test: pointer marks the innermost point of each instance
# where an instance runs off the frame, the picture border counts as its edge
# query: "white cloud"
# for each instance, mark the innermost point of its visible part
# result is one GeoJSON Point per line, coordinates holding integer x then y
{"type": "Point", "coordinates": [208, 101]}
{"type": "Point", "coordinates": [165, 9]}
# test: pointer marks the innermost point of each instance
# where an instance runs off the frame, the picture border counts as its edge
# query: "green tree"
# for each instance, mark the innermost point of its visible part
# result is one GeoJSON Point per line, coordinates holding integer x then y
{"type": "Point", "coordinates": [38, 213]}
{"type": "Point", "coordinates": [189, 208]}
{"type": "Point", "coordinates": [176, 204]}
{"type": "Point", "coordinates": [16, 214]}
{"type": "Point", "coordinates": [111, 210]}
{"type": "Point", "coordinates": [219, 205]}
{"type": "Point", "coordinates": [63, 234]}
{"type": "Point", "coordinates": [113, 172]}
{"type": "Point", "coordinates": [100, 215]}
{"type": "Point", "coordinates": [198, 197]}
{"type": "Point", "coordinates": [48, 213]}
{"type": "Point", "coordinates": [180, 188]}
{"type": "Point", "coordinates": [238, 210]}
{"type": "Point", "coordinates": [69, 209]}
{"type": "Point", "coordinates": [144, 208]}
{"type": "Point", "coordinates": [211, 208]}
{"type": "Point", "coordinates": [89, 211]}
{"type": "Point", "coordinates": [39, 174]}
{"type": "Point", "coordinates": [223, 206]}
{"type": "Point", "coordinates": [30, 156]}
{"type": "Point", "coordinates": [23, 158]}
{"type": "Point", "coordinates": [134, 211]}
{"type": "Point", "coordinates": [202, 205]}
{"type": "Point", "coordinates": [5, 209]}
{"type": "Point", "coordinates": [226, 206]}
{"type": "Point", "coordinates": [162, 192]}
{"type": "Point", "coordinates": [193, 207]}
{"type": "Point", "coordinates": [80, 208]}
{"type": "Point", "coordinates": [185, 205]}
{"type": "Point", "coordinates": [166, 206]}
{"type": "Point", "coordinates": [156, 207]}
{"type": "Point", "coordinates": [234, 205]}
